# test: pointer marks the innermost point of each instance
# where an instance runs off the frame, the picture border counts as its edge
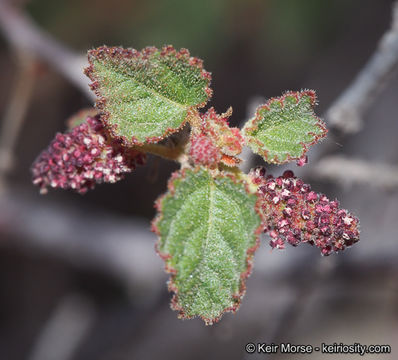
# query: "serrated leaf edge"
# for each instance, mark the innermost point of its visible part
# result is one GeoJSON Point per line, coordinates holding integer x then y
{"type": "Point", "coordinates": [180, 175]}
{"type": "Point", "coordinates": [120, 54]}
{"type": "Point", "coordinates": [252, 126]}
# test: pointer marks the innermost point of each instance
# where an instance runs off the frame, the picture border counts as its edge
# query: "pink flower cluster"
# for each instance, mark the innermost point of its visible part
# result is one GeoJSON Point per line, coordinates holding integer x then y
{"type": "Point", "coordinates": [83, 157]}
{"type": "Point", "coordinates": [295, 214]}
{"type": "Point", "coordinates": [215, 140]}
{"type": "Point", "coordinates": [203, 151]}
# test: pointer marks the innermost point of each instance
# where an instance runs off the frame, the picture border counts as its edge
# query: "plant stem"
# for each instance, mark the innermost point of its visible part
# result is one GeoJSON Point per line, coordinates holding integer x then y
{"type": "Point", "coordinates": [164, 151]}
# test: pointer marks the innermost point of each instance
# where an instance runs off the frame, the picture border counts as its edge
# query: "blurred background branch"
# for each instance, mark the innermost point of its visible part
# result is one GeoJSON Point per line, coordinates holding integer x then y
{"type": "Point", "coordinates": [16, 111]}
{"type": "Point", "coordinates": [349, 172]}
{"type": "Point", "coordinates": [65, 329]}
{"type": "Point", "coordinates": [111, 244]}
{"type": "Point", "coordinates": [27, 38]}
{"type": "Point", "coordinates": [346, 113]}
{"type": "Point", "coordinates": [286, 289]}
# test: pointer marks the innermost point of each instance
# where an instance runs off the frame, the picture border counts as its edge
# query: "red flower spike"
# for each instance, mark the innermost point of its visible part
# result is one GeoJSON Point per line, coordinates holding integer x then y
{"type": "Point", "coordinates": [294, 214]}
{"type": "Point", "coordinates": [83, 157]}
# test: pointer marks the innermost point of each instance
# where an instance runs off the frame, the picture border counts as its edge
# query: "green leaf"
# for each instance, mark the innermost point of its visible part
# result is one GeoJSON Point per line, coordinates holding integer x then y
{"type": "Point", "coordinates": [208, 231]}
{"type": "Point", "coordinates": [284, 128]}
{"type": "Point", "coordinates": [144, 96]}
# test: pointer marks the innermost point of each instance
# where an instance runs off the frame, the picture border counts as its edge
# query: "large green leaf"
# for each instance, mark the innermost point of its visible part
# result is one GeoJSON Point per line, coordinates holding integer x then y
{"type": "Point", "coordinates": [284, 128]}
{"type": "Point", "coordinates": [143, 96]}
{"type": "Point", "coordinates": [208, 229]}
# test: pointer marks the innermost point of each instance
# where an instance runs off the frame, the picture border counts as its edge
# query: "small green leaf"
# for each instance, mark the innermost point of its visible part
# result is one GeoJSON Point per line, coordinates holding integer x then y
{"type": "Point", "coordinates": [208, 231]}
{"type": "Point", "coordinates": [284, 128]}
{"type": "Point", "coordinates": [144, 96]}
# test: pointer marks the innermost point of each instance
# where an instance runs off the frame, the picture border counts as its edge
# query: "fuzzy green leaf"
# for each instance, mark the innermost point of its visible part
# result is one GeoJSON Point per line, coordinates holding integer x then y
{"type": "Point", "coordinates": [208, 229]}
{"type": "Point", "coordinates": [144, 96]}
{"type": "Point", "coordinates": [284, 128]}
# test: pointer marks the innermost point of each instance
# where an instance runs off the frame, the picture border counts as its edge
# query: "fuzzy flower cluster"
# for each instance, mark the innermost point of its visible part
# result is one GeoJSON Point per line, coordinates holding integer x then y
{"type": "Point", "coordinates": [83, 157]}
{"type": "Point", "coordinates": [203, 150]}
{"type": "Point", "coordinates": [216, 140]}
{"type": "Point", "coordinates": [295, 214]}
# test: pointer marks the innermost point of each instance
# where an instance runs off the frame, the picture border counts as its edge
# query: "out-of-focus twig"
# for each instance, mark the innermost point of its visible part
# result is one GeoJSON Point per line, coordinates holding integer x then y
{"type": "Point", "coordinates": [349, 172]}
{"type": "Point", "coordinates": [24, 35]}
{"type": "Point", "coordinates": [347, 111]}
{"type": "Point", "coordinates": [291, 311]}
{"type": "Point", "coordinates": [111, 244]}
{"type": "Point", "coordinates": [16, 109]}
{"type": "Point", "coordinates": [64, 330]}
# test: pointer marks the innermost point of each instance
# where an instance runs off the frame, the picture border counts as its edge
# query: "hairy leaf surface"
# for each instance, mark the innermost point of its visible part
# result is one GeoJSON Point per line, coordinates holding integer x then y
{"type": "Point", "coordinates": [146, 95]}
{"type": "Point", "coordinates": [284, 128]}
{"type": "Point", "coordinates": [208, 229]}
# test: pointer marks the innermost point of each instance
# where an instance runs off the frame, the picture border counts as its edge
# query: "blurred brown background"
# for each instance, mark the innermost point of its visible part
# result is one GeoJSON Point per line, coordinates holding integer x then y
{"type": "Point", "coordinates": [79, 278]}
